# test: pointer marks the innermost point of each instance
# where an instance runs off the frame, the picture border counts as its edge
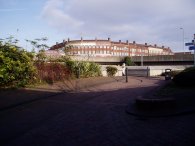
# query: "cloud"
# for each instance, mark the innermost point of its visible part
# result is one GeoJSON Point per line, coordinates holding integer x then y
{"type": "Point", "coordinates": [55, 16]}
{"type": "Point", "coordinates": [143, 21]}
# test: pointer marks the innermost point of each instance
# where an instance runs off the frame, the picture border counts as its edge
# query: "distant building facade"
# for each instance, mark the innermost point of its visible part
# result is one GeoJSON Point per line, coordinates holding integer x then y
{"type": "Point", "coordinates": [106, 48]}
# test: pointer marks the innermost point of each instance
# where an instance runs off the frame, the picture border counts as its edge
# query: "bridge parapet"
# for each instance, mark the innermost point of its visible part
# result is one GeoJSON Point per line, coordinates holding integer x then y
{"type": "Point", "coordinates": [158, 58]}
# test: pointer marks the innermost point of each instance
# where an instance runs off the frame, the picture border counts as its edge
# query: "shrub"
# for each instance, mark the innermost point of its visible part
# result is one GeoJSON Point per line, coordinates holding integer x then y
{"type": "Point", "coordinates": [16, 66]}
{"type": "Point", "coordinates": [127, 61]}
{"type": "Point", "coordinates": [83, 68]}
{"type": "Point", "coordinates": [186, 77]}
{"type": "Point", "coordinates": [175, 72]}
{"type": "Point", "coordinates": [111, 70]}
{"type": "Point", "coordinates": [51, 72]}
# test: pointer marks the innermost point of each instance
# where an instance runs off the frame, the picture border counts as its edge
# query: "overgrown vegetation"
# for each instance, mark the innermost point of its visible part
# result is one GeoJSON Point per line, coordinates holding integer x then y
{"type": "Point", "coordinates": [16, 66]}
{"type": "Point", "coordinates": [186, 77]}
{"type": "Point", "coordinates": [51, 72]}
{"type": "Point", "coordinates": [128, 61]}
{"type": "Point", "coordinates": [111, 70]}
{"type": "Point", "coordinates": [19, 67]}
{"type": "Point", "coordinates": [83, 68]}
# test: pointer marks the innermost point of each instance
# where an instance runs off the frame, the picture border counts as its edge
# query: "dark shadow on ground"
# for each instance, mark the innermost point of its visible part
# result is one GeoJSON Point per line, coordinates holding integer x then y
{"type": "Point", "coordinates": [90, 117]}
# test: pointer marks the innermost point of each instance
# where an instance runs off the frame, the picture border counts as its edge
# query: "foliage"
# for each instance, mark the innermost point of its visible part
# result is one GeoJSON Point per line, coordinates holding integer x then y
{"type": "Point", "coordinates": [38, 43]}
{"type": "Point", "coordinates": [51, 72]}
{"type": "Point", "coordinates": [41, 57]}
{"type": "Point", "coordinates": [16, 66]}
{"type": "Point", "coordinates": [111, 70]}
{"type": "Point", "coordinates": [19, 67]}
{"type": "Point", "coordinates": [128, 61]}
{"type": "Point", "coordinates": [186, 77]}
{"type": "Point", "coordinates": [83, 68]}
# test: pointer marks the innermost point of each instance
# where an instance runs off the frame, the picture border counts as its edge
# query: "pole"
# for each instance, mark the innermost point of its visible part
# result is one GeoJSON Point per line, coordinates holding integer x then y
{"type": "Point", "coordinates": [194, 57]}
{"type": "Point", "coordinates": [183, 39]}
{"type": "Point", "coordinates": [126, 73]}
{"type": "Point", "coordinates": [194, 50]}
{"type": "Point", "coordinates": [141, 59]}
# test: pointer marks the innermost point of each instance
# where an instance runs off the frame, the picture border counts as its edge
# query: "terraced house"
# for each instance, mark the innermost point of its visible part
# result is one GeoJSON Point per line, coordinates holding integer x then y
{"type": "Point", "coordinates": [106, 48]}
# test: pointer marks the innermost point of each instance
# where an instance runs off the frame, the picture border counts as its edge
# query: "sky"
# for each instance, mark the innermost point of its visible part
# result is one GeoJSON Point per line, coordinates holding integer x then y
{"type": "Point", "coordinates": [161, 22]}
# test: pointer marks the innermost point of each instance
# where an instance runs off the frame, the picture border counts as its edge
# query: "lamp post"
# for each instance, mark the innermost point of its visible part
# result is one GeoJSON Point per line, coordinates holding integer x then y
{"type": "Point", "coordinates": [182, 39]}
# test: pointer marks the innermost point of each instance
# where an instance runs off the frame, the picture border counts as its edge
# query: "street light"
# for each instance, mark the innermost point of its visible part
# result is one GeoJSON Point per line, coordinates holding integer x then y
{"type": "Point", "coordinates": [183, 39]}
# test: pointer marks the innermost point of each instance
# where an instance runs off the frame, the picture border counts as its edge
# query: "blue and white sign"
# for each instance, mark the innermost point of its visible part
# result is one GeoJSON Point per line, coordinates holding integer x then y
{"type": "Point", "coordinates": [192, 48]}
{"type": "Point", "coordinates": [189, 44]}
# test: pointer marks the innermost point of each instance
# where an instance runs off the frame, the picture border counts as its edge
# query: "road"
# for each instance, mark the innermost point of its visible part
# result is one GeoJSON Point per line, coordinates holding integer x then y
{"type": "Point", "coordinates": [91, 116]}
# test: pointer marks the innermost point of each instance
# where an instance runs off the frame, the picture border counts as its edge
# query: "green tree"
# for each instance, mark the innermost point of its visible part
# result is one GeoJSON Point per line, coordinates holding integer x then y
{"type": "Point", "coordinates": [38, 43]}
{"type": "Point", "coordinates": [40, 46]}
{"type": "Point", "coordinates": [127, 61]}
{"type": "Point", "coordinates": [16, 66]}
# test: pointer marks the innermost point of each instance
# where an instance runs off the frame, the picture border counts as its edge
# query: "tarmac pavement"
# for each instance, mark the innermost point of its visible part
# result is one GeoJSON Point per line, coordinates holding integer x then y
{"type": "Point", "coordinates": [89, 112]}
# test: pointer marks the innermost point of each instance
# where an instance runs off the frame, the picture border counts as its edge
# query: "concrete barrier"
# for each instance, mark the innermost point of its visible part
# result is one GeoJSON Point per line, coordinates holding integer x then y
{"type": "Point", "coordinates": [143, 70]}
{"type": "Point", "coordinates": [138, 71]}
{"type": "Point", "coordinates": [158, 70]}
{"type": "Point", "coordinates": [152, 70]}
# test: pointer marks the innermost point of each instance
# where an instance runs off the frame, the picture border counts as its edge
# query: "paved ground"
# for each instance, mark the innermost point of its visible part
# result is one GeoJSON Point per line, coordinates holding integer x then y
{"type": "Point", "coordinates": [89, 116]}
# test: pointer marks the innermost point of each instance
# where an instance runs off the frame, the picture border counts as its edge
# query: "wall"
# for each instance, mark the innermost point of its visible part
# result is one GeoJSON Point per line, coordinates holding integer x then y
{"type": "Point", "coordinates": [152, 70]}
{"type": "Point", "coordinates": [158, 70]}
{"type": "Point", "coordinates": [143, 70]}
{"type": "Point", "coordinates": [138, 71]}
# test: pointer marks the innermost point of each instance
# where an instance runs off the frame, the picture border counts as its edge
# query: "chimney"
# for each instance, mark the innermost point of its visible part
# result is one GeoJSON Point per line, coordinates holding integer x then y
{"type": "Point", "coordinates": [68, 39]}
{"type": "Point", "coordinates": [56, 43]}
{"type": "Point", "coordinates": [64, 41]}
{"type": "Point", "coordinates": [134, 42]}
{"type": "Point", "coordinates": [154, 45]}
{"type": "Point", "coordinates": [146, 44]}
{"type": "Point", "coordinates": [127, 41]}
{"type": "Point", "coordinates": [163, 47]}
{"type": "Point", "coordinates": [108, 39]}
{"type": "Point", "coordinates": [81, 38]}
{"type": "Point", "coordinates": [119, 41]}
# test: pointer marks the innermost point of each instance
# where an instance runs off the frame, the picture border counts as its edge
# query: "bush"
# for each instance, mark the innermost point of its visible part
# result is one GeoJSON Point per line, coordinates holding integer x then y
{"type": "Point", "coordinates": [16, 66]}
{"type": "Point", "coordinates": [83, 68]}
{"type": "Point", "coordinates": [51, 72]}
{"type": "Point", "coordinates": [186, 77]}
{"type": "Point", "coordinates": [127, 61]}
{"type": "Point", "coordinates": [111, 71]}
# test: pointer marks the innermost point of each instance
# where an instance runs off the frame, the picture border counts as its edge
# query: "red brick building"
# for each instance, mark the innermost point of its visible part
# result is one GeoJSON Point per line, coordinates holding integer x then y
{"type": "Point", "coordinates": [105, 48]}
